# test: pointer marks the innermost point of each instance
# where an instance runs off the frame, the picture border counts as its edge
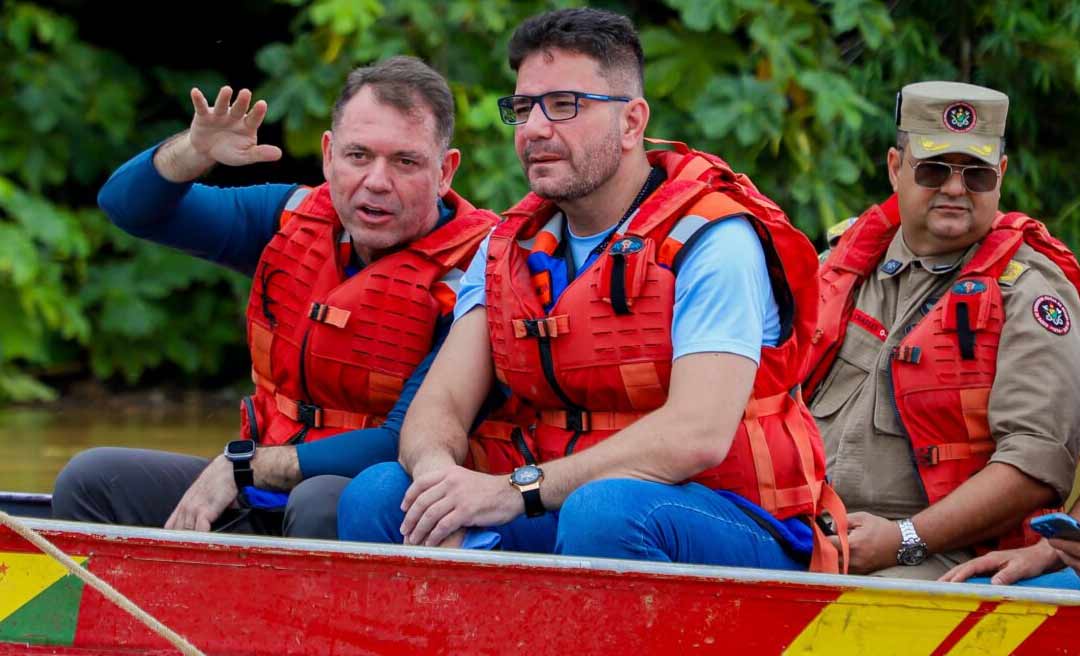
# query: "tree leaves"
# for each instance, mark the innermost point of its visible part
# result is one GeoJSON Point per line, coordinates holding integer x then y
{"type": "Point", "coordinates": [796, 93]}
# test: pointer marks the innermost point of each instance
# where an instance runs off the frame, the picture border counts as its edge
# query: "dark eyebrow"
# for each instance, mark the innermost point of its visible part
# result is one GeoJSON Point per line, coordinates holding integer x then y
{"type": "Point", "coordinates": [399, 154]}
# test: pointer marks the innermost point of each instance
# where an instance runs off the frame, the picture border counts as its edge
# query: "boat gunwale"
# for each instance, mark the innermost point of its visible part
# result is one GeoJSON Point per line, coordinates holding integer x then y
{"type": "Point", "coordinates": [308, 547]}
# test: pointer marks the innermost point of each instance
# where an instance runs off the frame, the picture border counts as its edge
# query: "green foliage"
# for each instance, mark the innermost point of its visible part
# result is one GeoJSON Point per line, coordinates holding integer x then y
{"type": "Point", "coordinates": [76, 294]}
{"type": "Point", "coordinates": [796, 93]}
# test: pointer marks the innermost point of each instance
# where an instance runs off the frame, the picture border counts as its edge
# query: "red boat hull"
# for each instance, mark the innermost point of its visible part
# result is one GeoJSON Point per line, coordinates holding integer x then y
{"type": "Point", "coordinates": [241, 595]}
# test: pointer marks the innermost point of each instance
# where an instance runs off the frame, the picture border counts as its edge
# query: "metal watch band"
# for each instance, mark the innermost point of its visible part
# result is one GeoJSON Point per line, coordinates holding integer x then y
{"type": "Point", "coordinates": [908, 534]}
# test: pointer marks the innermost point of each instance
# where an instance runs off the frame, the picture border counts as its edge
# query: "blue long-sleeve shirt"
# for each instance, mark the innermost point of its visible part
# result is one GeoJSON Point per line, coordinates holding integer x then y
{"type": "Point", "coordinates": [230, 226]}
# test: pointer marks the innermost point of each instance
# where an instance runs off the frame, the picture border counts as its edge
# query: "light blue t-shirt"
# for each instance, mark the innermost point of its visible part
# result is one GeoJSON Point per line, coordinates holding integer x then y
{"type": "Point", "coordinates": [723, 300]}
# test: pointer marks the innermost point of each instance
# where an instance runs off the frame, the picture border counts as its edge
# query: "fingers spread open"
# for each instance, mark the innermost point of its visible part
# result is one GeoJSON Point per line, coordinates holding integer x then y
{"type": "Point", "coordinates": [221, 103]}
{"type": "Point", "coordinates": [198, 101]}
{"type": "Point", "coordinates": [254, 118]}
{"type": "Point", "coordinates": [240, 106]}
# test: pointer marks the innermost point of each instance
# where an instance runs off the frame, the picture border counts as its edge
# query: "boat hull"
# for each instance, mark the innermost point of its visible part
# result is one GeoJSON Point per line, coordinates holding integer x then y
{"type": "Point", "coordinates": [252, 595]}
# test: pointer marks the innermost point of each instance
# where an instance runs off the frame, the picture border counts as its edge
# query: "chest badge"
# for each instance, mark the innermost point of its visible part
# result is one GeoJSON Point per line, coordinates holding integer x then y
{"type": "Point", "coordinates": [891, 267]}
{"type": "Point", "coordinates": [627, 245]}
{"type": "Point", "coordinates": [1051, 314]}
{"type": "Point", "coordinates": [968, 288]}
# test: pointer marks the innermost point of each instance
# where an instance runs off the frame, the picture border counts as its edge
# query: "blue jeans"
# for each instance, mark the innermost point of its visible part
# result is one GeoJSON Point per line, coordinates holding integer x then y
{"type": "Point", "coordinates": [1065, 578]}
{"type": "Point", "coordinates": [611, 518]}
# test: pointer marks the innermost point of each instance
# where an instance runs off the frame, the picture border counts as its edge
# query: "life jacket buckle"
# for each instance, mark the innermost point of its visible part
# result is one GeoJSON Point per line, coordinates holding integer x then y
{"type": "Point", "coordinates": [532, 328]}
{"type": "Point", "coordinates": [309, 415]}
{"type": "Point", "coordinates": [579, 421]}
{"type": "Point", "coordinates": [929, 455]}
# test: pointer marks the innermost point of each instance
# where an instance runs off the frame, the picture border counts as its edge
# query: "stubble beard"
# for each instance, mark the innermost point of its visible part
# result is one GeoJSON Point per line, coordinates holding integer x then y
{"type": "Point", "coordinates": [600, 165]}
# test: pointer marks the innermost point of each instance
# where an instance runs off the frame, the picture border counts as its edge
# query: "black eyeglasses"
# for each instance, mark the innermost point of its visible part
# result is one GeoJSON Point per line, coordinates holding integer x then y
{"type": "Point", "coordinates": [556, 105]}
{"type": "Point", "coordinates": [933, 175]}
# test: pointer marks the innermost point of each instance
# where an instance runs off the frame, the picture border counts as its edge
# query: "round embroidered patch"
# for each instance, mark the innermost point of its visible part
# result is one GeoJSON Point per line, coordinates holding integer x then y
{"type": "Point", "coordinates": [627, 245]}
{"type": "Point", "coordinates": [959, 117]}
{"type": "Point", "coordinates": [1051, 314]}
{"type": "Point", "coordinates": [968, 288]}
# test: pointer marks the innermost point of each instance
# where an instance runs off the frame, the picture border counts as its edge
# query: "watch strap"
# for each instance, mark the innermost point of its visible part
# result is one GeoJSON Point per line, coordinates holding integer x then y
{"type": "Point", "coordinates": [534, 507]}
{"type": "Point", "coordinates": [243, 474]}
{"type": "Point", "coordinates": [908, 534]}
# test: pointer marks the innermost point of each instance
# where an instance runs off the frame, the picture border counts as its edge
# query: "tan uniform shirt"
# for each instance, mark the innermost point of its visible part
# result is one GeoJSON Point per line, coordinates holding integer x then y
{"type": "Point", "coordinates": [1034, 411]}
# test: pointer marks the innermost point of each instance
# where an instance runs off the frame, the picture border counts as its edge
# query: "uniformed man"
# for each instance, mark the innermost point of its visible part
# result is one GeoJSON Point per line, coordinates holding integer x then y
{"type": "Point", "coordinates": [946, 368]}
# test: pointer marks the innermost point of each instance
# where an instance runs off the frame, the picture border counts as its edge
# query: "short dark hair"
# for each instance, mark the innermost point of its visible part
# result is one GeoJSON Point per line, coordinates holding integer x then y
{"type": "Point", "coordinates": [403, 83]}
{"type": "Point", "coordinates": [605, 36]}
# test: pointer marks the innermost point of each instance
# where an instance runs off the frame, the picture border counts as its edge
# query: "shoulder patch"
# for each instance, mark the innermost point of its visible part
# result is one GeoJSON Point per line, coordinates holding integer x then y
{"type": "Point", "coordinates": [836, 231]}
{"type": "Point", "coordinates": [1051, 314]}
{"type": "Point", "coordinates": [1012, 272]}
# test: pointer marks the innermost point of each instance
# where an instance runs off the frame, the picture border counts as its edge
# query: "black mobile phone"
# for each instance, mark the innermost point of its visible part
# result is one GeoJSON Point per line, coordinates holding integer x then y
{"type": "Point", "coordinates": [1057, 525]}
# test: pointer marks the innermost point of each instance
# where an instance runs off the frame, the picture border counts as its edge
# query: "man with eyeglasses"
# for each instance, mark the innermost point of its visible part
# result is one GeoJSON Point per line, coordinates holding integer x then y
{"type": "Point", "coordinates": [945, 369]}
{"type": "Point", "coordinates": [653, 309]}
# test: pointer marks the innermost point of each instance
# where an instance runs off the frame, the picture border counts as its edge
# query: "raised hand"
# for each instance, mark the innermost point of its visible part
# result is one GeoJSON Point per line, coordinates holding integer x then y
{"type": "Point", "coordinates": [228, 133]}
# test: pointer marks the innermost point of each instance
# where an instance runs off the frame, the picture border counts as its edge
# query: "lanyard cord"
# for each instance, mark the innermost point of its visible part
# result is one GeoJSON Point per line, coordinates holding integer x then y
{"type": "Point", "coordinates": [656, 176]}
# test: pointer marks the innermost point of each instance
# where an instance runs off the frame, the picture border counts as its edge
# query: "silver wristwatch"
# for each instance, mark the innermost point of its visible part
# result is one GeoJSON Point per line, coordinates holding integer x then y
{"type": "Point", "coordinates": [912, 549]}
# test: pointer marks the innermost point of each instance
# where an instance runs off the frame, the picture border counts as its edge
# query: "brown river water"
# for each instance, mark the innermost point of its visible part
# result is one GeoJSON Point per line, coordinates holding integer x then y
{"type": "Point", "coordinates": [36, 442]}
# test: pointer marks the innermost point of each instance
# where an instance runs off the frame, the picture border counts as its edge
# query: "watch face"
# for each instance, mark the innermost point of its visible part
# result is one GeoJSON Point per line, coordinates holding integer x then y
{"type": "Point", "coordinates": [525, 475]}
{"type": "Point", "coordinates": [240, 449]}
{"type": "Point", "coordinates": [913, 555]}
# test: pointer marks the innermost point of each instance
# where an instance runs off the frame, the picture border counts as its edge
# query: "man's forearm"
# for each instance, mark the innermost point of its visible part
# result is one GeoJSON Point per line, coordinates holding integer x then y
{"type": "Point", "coordinates": [436, 428]}
{"type": "Point", "coordinates": [430, 438]}
{"type": "Point", "coordinates": [178, 161]}
{"type": "Point", "coordinates": [997, 497]}
{"type": "Point", "coordinates": [276, 468]}
{"type": "Point", "coordinates": [690, 433]}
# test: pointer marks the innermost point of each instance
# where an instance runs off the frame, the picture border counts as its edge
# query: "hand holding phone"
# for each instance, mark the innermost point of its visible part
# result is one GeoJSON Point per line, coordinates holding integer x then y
{"type": "Point", "coordinates": [1058, 526]}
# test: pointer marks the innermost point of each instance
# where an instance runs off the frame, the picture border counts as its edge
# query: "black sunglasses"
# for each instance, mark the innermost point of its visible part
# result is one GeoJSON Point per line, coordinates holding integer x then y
{"type": "Point", "coordinates": [933, 175]}
{"type": "Point", "coordinates": [556, 105]}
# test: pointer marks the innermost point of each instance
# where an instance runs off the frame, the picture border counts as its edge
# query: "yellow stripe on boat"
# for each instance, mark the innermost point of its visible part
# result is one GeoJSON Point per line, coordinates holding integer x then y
{"type": "Point", "coordinates": [1002, 631]}
{"type": "Point", "coordinates": [883, 623]}
{"type": "Point", "coordinates": [25, 576]}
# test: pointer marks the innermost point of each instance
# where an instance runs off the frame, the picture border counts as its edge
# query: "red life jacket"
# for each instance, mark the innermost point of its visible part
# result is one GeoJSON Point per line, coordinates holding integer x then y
{"type": "Point", "coordinates": [504, 441]}
{"type": "Point", "coordinates": [602, 357]}
{"type": "Point", "coordinates": [330, 352]}
{"type": "Point", "coordinates": [942, 371]}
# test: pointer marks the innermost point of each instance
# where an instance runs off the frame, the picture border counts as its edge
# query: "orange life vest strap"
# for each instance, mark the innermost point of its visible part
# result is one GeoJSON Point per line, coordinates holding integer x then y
{"type": "Point", "coordinates": [825, 557]}
{"type": "Point", "coordinates": [589, 421]}
{"type": "Point", "coordinates": [937, 453]}
{"type": "Point", "coordinates": [759, 447]}
{"type": "Point", "coordinates": [264, 383]}
{"type": "Point", "coordinates": [261, 341]}
{"type": "Point", "coordinates": [817, 494]}
{"type": "Point", "coordinates": [313, 415]}
{"type": "Point", "coordinates": [975, 405]}
{"type": "Point", "coordinates": [329, 314]}
{"type": "Point", "coordinates": [316, 417]}
{"type": "Point", "coordinates": [546, 327]}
